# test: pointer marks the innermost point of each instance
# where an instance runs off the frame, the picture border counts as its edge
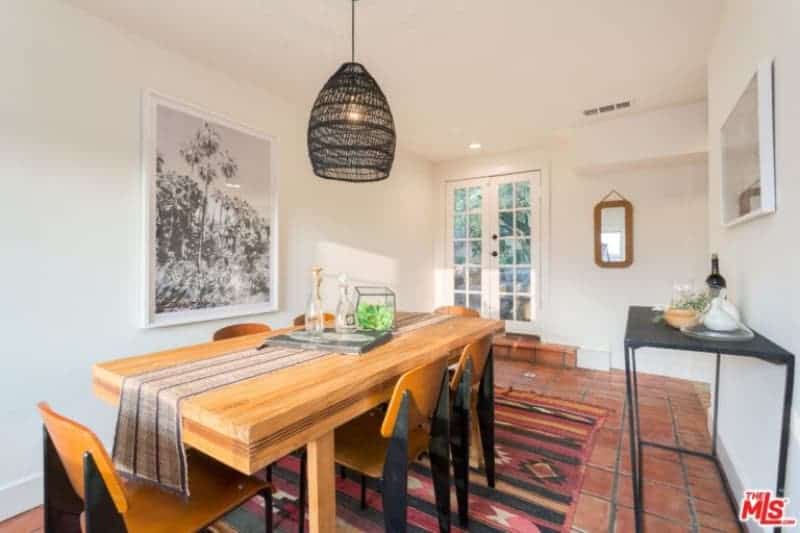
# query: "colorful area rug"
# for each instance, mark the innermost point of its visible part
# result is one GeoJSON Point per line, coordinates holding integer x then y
{"type": "Point", "coordinates": [542, 448]}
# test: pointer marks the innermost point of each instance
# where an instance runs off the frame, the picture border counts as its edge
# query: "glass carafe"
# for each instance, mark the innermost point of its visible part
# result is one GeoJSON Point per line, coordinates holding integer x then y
{"type": "Point", "coordinates": [346, 309]}
{"type": "Point", "coordinates": [315, 318]}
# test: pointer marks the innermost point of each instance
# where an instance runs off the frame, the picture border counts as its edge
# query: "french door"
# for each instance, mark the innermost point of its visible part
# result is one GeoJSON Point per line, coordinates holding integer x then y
{"type": "Point", "coordinates": [492, 246]}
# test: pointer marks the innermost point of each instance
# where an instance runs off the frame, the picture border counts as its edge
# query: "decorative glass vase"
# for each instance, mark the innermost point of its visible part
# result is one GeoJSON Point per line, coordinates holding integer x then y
{"type": "Point", "coordinates": [346, 309]}
{"type": "Point", "coordinates": [315, 318]}
{"type": "Point", "coordinates": [375, 308]}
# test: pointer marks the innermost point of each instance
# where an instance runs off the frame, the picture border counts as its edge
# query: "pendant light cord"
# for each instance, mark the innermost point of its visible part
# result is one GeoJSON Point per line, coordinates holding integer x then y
{"type": "Point", "coordinates": [353, 30]}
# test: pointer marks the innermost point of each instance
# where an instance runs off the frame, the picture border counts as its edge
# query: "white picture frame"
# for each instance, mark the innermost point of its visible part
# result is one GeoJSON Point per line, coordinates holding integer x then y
{"type": "Point", "coordinates": [747, 148]}
{"type": "Point", "coordinates": [226, 174]}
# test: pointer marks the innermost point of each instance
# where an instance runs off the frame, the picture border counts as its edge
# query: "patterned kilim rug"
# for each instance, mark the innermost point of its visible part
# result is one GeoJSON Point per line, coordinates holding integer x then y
{"type": "Point", "coordinates": [542, 448]}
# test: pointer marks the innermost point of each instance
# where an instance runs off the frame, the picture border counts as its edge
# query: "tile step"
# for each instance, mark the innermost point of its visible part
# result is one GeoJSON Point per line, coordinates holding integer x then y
{"type": "Point", "coordinates": [531, 348]}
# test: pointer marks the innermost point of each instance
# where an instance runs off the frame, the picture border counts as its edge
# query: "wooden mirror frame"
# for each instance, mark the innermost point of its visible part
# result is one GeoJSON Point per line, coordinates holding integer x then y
{"type": "Point", "coordinates": [598, 209]}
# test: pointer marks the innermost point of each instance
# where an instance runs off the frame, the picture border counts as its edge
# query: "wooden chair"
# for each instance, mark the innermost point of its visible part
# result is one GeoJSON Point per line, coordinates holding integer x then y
{"type": "Point", "coordinates": [416, 421]}
{"type": "Point", "coordinates": [76, 462]}
{"type": "Point", "coordinates": [472, 390]}
{"type": "Point", "coordinates": [300, 320]}
{"type": "Point", "coordinates": [457, 310]}
{"type": "Point", "coordinates": [238, 330]}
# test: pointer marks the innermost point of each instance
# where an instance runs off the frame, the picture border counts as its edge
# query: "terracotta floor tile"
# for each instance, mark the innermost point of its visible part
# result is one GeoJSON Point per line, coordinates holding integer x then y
{"type": "Point", "coordinates": [700, 467]}
{"type": "Point", "coordinates": [669, 472]}
{"type": "Point", "coordinates": [614, 421]}
{"type": "Point", "coordinates": [661, 433]}
{"type": "Point", "coordinates": [657, 412]}
{"type": "Point", "coordinates": [662, 525]}
{"type": "Point", "coordinates": [719, 507]}
{"type": "Point", "coordinates": [664, 455]}
{"type": "Point", "coordinates": [624, 522]}
{"type": "Point", "coordinates": [694, 421]}
{"type": "Point", "coordinates": [655, 398]}
{"type": "Point", "coordinates": [612, 404]}
{"type": "Point", "coordinates": [598, 482]}
{"type": "Point", "coordinates": [666, 501]}
{"type": "Point", "coordinates": [607, 437]}
{"type": "Point", "coordinates": [592, 513]}
{"type": "Point", "coordinates": [624, 490]}
{"type": "Point", "coordinates": [726, 523]}
{"type": "Point", "coordinates": [604, 457]}
{"type": "Point", "coordinates": [27, 522]}
{"type": "Point", "coordinates": [625, 461]}
{"type": "Point", "coordinates": [710, 488]}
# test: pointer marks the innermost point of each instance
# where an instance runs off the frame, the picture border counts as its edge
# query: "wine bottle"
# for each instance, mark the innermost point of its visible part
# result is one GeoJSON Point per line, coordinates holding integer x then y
{"type": "Point", "coordinates": [715, 282]}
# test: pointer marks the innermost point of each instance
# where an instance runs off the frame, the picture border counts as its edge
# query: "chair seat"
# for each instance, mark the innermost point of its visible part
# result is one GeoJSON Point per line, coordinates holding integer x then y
{"type": "Point", "coordinates": [359, 444]}
{"type": "Point", "coordinates": [214, 490]}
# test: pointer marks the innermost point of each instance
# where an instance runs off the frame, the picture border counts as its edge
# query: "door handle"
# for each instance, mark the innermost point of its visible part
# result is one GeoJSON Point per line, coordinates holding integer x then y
{"type": "Point", "coordinates": [494, 253]}
{"type": "Point", "coordinates": [494, 237]}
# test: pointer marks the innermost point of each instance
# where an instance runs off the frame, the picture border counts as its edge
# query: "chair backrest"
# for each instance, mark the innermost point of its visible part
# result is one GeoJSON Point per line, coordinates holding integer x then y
{"type": "Point", "coordinates": [457, 310]}
{"type": "Point", "coordinates": [238, 330]}
{"type": "Point", "coordinates": [477, 352]}
{"type": "Point", "coordinates": [300, 320]}
{"type": "Point", "coordinates": [424, 384]}
{"type": "Point", "coordinates": [72, 441]}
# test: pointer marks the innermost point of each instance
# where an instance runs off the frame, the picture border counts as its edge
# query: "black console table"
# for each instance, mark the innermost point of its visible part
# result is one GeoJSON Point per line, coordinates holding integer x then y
{"type": "Point", "coordinates": [643, 331]}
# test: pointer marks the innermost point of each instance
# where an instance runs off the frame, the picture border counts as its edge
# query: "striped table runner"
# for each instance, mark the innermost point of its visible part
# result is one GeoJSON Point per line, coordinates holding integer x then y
{"type": "Point", "coordinates": [148, 443]}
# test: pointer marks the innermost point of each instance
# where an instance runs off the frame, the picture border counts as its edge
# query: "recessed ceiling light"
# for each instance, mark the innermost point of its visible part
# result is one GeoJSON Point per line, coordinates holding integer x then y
{"type": "Point", "coordinates": [475, 146]}
{"type": "Point", "coordinates": [234, 185]}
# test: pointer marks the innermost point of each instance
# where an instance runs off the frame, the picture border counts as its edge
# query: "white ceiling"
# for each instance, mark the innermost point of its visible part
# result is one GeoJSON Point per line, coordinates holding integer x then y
{"type": "Point", "coordinates": [505, 73]}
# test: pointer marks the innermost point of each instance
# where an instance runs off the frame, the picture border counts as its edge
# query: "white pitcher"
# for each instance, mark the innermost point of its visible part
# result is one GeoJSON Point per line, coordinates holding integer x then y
{"type": "Point", "coordinates": [719, 316]}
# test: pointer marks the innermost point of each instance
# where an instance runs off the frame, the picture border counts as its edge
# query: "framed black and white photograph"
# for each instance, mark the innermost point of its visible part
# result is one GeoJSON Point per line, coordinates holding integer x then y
{"type": "Point", "coordinates": [211, 207]}
{"type": "Point", "coordinates": [748, 152]}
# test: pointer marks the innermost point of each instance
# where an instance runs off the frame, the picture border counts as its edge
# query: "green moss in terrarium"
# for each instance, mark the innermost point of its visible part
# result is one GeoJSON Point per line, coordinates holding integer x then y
{"type": "Point", "coordinates": [374, 317]}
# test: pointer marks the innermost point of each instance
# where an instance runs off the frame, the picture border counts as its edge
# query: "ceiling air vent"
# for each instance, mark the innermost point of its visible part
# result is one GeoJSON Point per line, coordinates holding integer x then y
{"type": "Point", "coordinates": [608, 108]}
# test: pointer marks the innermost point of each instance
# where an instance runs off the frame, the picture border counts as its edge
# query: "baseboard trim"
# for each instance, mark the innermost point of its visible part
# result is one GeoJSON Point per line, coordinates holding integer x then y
{"type": "Point", "coordinates": [594, 359]}
{"type": "Point", "coordinates": [734, 481]}
{"type": "Point", "coordinates": [20, 495]}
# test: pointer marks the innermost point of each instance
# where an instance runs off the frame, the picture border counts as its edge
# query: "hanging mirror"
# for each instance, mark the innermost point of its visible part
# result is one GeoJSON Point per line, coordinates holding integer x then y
{"type": "Point", "coordinates": [613, 232]}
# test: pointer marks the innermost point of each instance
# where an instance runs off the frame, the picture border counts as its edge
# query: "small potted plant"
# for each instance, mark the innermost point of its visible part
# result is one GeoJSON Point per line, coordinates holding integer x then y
{"type": "Point", "coordinates": [686, 308]}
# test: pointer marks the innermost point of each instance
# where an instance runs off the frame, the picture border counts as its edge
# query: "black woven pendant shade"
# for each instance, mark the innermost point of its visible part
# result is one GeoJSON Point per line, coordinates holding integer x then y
{"type": "Point", "coordinates": [351, 133]}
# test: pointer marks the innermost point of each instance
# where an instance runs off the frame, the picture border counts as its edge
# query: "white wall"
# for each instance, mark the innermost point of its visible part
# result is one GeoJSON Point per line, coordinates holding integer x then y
{"type": "Point", "coordinates": [71, 216]}
{"type": "Point", "coordinates": [760, 259]}
{"type": "Point", "coordinates": [585, 305]}
{"type": "Point", "coordinates": [652, 136]}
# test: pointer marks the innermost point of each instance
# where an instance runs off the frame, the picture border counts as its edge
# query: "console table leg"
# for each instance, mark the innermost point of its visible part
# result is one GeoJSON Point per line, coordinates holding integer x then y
{"type": "Point", "coordinates": [788, 392]}
{"type": "Point", "coordinates": [716, 407]}
{"type": "Point", "coordinates": [637, 505]}
{"type": "Point", "coordinates": [639, 452]}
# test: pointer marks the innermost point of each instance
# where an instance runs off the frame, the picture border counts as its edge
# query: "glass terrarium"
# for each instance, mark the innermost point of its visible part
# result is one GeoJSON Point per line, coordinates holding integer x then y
{"type": "Point", "coordinates": [375, 308]}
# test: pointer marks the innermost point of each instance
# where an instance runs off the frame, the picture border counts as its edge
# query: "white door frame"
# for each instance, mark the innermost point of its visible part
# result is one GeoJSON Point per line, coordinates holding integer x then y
{"type": "Point", "coordinates": [490, 273]}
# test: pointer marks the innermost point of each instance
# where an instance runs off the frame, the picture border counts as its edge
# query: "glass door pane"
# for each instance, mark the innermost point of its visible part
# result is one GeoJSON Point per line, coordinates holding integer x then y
{"type": "Point", "coordinates": [514, 217]}
{"type": "Point", "coordinates": [465, 221]}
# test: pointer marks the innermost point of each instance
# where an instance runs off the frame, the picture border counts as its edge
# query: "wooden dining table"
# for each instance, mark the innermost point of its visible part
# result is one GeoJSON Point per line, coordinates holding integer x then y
{"type": "Point", "coordinates": [251, 424]}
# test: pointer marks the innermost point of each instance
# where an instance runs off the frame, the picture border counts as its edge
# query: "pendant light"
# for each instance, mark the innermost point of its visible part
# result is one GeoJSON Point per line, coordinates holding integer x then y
{"type": "Point", "coordinates": [351, 133]}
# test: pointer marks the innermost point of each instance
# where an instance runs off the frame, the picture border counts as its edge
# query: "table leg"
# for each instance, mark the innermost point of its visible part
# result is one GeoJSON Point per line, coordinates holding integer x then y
{"type": "Point", "coordinates": [716, 407]}
{"type": "Point", "coordinates": [788, 392]}
{"type": "Point", "coordinates": [321, 485]}
{"type": "Point", "coordinates": [633, 440]}
{"type": "Point", "coordinates": [639, 453]}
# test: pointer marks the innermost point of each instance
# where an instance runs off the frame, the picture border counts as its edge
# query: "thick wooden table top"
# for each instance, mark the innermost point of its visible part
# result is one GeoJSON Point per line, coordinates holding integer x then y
{"type": "Point", "coordinates": [251, 424]}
